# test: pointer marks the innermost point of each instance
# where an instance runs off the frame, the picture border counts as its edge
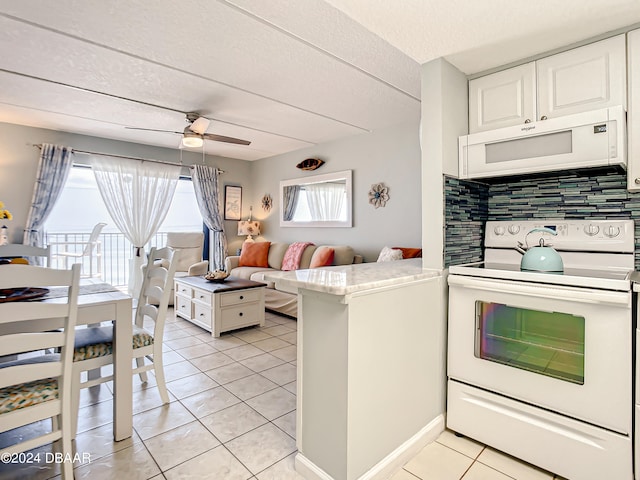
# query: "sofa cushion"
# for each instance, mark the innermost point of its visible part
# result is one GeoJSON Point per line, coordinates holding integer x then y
{"type": "Point", "coordinates": [255, 254]}
{"type": "Point", "coordinates": [247, 272]}
{"type": "Point", "coordinates": [322, 257]}
{"type": "Point", "coordinates": [344, 254]}
{"type": "Point", "coordinates": [276, 254]}
{"type": "Point", "coordinates": [307, 255]}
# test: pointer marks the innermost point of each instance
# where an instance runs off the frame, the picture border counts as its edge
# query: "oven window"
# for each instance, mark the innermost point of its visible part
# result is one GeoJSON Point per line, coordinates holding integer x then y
{"type": "Point", "coordinates": [548, 343]}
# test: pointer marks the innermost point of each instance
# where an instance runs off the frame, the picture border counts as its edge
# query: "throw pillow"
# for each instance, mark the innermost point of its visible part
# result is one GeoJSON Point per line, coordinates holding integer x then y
{"type": "Point", "coordinates": [322, 257]}
{"type": "Point", "coordinates": [389, 254]}
{"type": "Point", "coordinates": [410, 252]}
{"type": "Point", "coordinates": [254, 254]}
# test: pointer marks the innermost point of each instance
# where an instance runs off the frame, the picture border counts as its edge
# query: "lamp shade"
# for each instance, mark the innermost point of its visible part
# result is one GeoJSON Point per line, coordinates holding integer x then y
{"type": "Point", "coordinates": [249, 227]}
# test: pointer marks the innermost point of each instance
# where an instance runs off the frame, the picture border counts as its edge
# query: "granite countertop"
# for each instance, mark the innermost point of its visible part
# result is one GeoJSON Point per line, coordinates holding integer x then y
{"type": "Point", "coordinates": [347, 279]}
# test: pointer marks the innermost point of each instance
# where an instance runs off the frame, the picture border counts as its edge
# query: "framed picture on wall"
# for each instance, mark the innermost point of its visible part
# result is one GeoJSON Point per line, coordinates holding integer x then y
{"type": "Point", "coordinates": [232, 202]}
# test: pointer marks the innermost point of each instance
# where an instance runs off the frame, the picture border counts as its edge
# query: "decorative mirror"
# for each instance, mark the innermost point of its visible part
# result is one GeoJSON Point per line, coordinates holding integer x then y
{"type": "Point", "coordinates": [316, 201]}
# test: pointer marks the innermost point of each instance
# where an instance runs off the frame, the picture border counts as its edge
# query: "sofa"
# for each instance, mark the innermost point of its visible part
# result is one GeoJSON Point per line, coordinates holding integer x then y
{"type": "Point", "coordinates": [281, 301]}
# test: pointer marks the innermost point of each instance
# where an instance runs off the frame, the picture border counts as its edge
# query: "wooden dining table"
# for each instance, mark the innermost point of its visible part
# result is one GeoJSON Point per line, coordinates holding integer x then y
{"type": "Point", "coordinates": [100, 302]}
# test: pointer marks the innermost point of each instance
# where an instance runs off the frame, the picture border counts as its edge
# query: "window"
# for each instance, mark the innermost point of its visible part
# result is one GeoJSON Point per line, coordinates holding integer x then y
{"type": "Point", "coordinates": [80, 207]}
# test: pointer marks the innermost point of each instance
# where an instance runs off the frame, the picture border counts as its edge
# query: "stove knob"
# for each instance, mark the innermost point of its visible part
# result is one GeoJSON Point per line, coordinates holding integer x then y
{"type": "Point", "coordinates": [499, 230]}
{"type": "Point", "coordinates": [612, 231]}
{"type": "Point", "coordinates": [591, 229]}
{"type": "Point", "coordinates": [514, 229]}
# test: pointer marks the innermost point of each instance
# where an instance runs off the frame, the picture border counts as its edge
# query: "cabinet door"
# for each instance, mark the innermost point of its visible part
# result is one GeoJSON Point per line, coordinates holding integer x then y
{"type": "Point", "coordinates": [633, 114]}
{"type": "Point", "coordinates": [502, 99]}
{"type": "Point", "coordinates": [582, 79]}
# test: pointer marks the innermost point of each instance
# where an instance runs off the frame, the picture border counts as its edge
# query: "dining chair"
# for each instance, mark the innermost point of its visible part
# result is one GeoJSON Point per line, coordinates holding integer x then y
{"type": "Point", "coordinates": [92, 248]}
{"type": "Point", "coordinates": [18, 251]}
{"type": "Point", "coordinates": [37, 386]}
{"type": "Point", "coordinates": [94, 345]}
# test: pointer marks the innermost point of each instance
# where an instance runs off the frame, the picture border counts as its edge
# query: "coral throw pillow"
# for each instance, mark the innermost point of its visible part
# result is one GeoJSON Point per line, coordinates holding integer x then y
{"type": "Point", "coordinates": [254, 254]}
{"type": "Point", "coordinates": [410, 252]}
{"type": "Point", "coordinates": [322, 257]}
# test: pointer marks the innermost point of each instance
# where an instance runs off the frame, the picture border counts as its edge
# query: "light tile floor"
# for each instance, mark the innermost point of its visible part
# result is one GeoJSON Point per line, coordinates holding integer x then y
{"type": "Point", "coordinates": [231, 416]}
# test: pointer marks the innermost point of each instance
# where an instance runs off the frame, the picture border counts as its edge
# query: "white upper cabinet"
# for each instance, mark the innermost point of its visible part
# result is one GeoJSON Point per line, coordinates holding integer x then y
{"type": "Point", "coordinates": [578, 80]}
{"type": "Point", "coordinates": [586, 78]}
{"type": "Point", "coordinates": [503, 99]}
{"type": "Point", "coordinates": [633, 114]}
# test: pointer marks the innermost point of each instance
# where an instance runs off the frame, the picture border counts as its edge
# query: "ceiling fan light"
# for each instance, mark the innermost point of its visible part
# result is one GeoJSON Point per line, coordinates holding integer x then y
{"type": "Point", "coordinates": [192, 141]}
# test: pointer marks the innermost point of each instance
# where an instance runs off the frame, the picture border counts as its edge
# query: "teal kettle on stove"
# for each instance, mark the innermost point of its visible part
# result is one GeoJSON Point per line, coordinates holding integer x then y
{"type": "Point", "coordinates": [541, 258]}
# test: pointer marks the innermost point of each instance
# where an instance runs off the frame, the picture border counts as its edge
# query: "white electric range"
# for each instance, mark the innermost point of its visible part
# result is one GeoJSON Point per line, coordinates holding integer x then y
{"type": "Point", "coordinates": [540, 364]}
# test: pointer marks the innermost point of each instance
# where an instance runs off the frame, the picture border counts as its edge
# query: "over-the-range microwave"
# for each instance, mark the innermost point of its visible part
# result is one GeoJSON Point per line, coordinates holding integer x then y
{"type": "Point", "coordinates": [590, 139]}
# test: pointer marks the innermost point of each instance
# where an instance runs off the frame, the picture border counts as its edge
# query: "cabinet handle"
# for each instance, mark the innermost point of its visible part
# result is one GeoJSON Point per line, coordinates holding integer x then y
{"type": "Point", "coordinates": [240, 314]}
{"type": "Point", "coordinates": [543, 117]}
{"type": "Point", "coordinates": [637, 181]}
{"type": "Point", "coordinates": [202, 314]}
{"type": "Point", "coordinates": [528, 120]}
{"type": "Point", "coordinates": [241, 297]}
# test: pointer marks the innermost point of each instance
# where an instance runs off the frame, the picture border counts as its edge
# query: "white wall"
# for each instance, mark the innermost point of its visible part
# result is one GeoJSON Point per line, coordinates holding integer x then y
{"type": "Point", "coordinates": [391, 156]}
{"type": "Point", "coordinates": [444, 118]}
{"type": "Point", "coordinates": [19, 162]}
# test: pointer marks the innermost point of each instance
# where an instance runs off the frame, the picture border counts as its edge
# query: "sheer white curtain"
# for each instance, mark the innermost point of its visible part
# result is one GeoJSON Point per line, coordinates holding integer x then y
{"type": "Point", "coordinates": [326, 200]}
{"type": "Point", "coordinates": [137, 195]}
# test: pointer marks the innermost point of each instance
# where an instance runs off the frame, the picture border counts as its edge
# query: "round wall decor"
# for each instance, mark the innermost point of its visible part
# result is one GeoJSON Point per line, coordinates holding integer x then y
{"type": "Point", "coordinates": [379, 195]}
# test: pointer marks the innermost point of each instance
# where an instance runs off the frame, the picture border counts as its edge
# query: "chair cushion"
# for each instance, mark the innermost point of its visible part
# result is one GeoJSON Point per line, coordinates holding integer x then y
{"type": "Point", "coordinates": [98, 342]}
{"type": "Point", "coordinates": [255, 254]}
{"type": "Point", "coordinates": [27, 394]}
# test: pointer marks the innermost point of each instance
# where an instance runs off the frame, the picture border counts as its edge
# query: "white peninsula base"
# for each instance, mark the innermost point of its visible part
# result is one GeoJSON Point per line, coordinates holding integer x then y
{"type": "Point", "coordinates": [370, 368]}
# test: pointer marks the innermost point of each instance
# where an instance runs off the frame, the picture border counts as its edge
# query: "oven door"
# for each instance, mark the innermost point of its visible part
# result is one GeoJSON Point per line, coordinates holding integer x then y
{"type": "Point", "coordinates": [565, 349]}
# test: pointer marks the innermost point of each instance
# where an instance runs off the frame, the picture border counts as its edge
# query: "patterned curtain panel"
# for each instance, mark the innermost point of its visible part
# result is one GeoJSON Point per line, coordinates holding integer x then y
{"type": "Point", "coordinates": [205, 185]}
{"type": "Point", "coordinates": [137, 195]}
{"type": "Point", "coordinates": [53, 169]}
{"type": "Point", "coordinates": [290, 201]}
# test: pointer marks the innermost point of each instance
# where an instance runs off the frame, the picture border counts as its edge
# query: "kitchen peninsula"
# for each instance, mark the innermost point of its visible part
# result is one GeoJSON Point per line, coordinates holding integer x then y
{"type": "Point", "coordinates": [369, 344]}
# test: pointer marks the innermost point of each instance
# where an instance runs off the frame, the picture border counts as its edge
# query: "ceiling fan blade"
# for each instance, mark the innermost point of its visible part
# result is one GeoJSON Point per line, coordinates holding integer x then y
{"type": "Point", "coordinates": [152, 130]}
{"type": "Point", "coordinates": [222, 138]}
{"type": "Point", "coordinates": [200, 125]}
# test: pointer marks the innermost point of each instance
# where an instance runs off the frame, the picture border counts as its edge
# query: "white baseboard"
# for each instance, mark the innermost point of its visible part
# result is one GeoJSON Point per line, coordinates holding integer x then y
{"type": "Point", "coordinates": [388, 465]}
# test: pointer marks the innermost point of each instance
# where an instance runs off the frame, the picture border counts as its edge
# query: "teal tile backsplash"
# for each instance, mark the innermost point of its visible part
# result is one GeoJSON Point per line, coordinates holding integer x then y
{"type": "Point", "coordinates": [579, 195]}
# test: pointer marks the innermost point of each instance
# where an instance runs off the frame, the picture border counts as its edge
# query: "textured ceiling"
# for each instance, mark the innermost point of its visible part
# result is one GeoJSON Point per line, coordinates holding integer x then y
{"type": "Point", "coordinates": [283, 74]}
{"type": "Point", "coordinates": [477, 35]}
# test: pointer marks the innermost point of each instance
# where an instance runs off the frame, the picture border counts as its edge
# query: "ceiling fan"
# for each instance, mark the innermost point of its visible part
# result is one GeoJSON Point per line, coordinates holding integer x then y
{"type": "Point", "coordinates": [195, 132]}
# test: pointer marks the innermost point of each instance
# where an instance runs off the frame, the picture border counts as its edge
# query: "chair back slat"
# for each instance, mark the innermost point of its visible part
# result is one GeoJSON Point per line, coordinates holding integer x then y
{"type": "Point", "coordinates": [17, 276]}
{"type": "Point", "coordinates": [154, 291]}
{"type": "Point", "coordinates": [24, 342]}
{"type": "Point", "coordinates": [149, 310]}
{"type": "Point", "coordinates": [21, 311]}
{"type": "Point", "coordinates": [29, 373]}
{"type": "Point", "coordinates": [18, 250]}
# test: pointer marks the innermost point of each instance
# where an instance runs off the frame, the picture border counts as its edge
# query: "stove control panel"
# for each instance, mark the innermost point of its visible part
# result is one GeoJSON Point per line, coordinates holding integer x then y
{"type": "Point", "coordinates": [615, 236]}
